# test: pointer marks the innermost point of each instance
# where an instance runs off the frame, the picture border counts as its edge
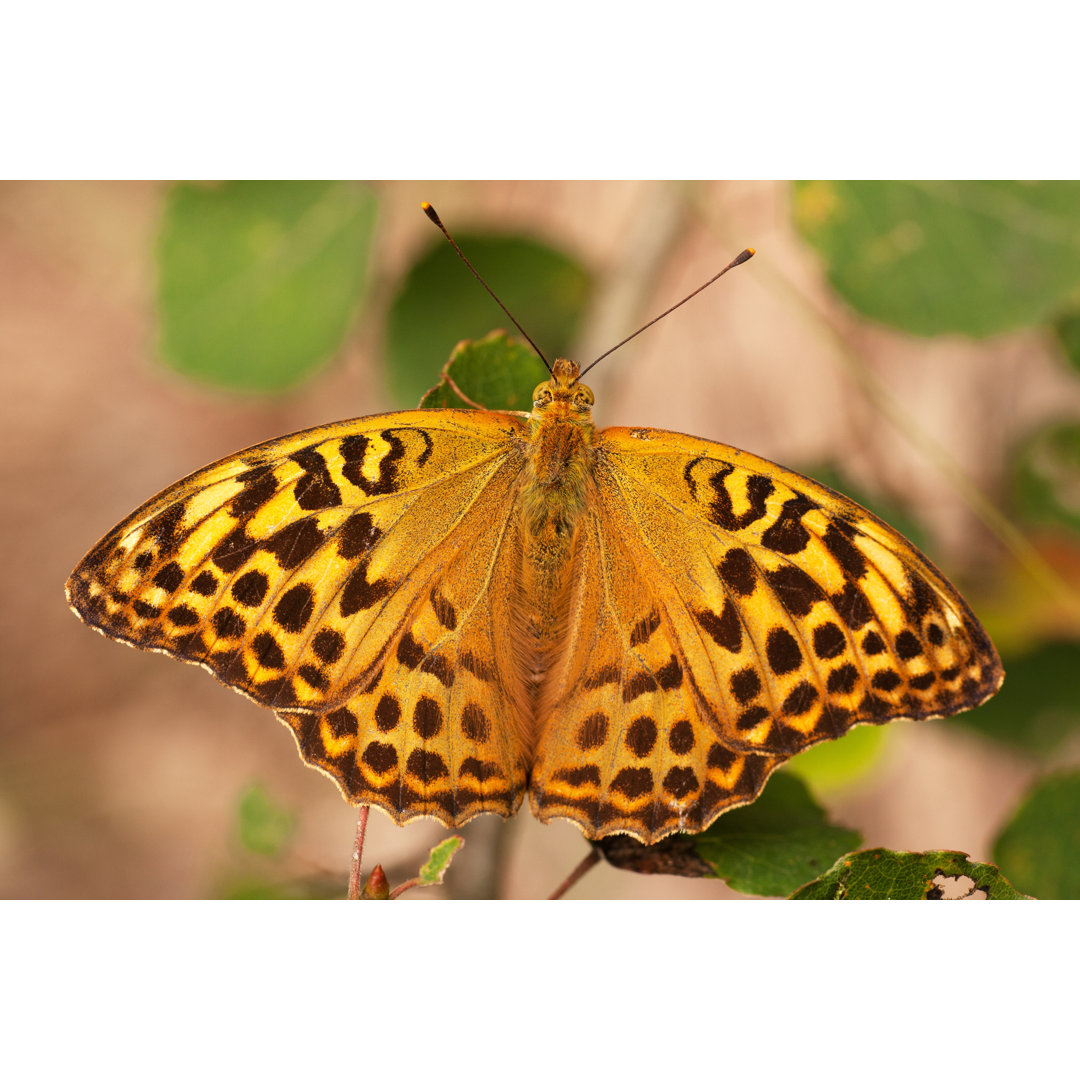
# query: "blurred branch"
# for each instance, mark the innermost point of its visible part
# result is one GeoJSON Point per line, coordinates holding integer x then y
{"type": "Point", "coordinates": [618, 304]}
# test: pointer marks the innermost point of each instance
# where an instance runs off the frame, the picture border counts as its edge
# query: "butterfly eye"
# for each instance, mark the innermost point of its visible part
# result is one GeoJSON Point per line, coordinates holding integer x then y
{"type": "Point", "coordinates": [541, 396]}
{"type": "Point", "coordinates": [583, 399]}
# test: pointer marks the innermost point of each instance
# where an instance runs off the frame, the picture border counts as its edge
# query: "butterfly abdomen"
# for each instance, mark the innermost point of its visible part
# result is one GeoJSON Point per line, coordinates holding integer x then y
{"type": "Point", "coordinates": [552, 500]}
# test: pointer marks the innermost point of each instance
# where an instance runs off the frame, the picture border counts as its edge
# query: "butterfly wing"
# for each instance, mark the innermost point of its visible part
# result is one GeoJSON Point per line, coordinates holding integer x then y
{"type": "Point", "coordinates": [343, 576]}
{"type": "Point", "coordinates": [743, 612]}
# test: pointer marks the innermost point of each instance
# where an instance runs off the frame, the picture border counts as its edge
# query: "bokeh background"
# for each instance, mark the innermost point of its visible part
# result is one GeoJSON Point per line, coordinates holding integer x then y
{"type": "Point", "coordinates": [915, 345]}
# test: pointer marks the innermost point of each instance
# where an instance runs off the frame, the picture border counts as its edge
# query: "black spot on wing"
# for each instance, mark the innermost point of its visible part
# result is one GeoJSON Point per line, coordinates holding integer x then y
{"type": "Point", "coordinates": [725, 629]}
{"type": "Point", "coordinates": [295, 608]}
{"type": "Point", "coordinates": [837, 539]}
{"type": "Point", "coordinates": [738, 571]}
{"type": "Point", "coordinates": [354, 448]}
{"type": "Point", "coordinates": [295, 543]}
{"type": "Point", "coordinates": [315, 489]}
{"type": "Point", "coordinates": [758, 489]}
{"type": "Point", "coordinates": [260, 486]}
{"type": "Point", "coordinates": [360, 594]}
{"type": "Point", "coordinates": [797, 591]}
{"type": "Point", "coordinates": [645, 628]}
{"type": "Point", "coordinates": [357, 536]}
{"type": "Point", "coordinates": [170, 577]}
{"type": "Point", "coordinates": [787, 534]}
{"type": "Point", "coordinates": [783, 651]}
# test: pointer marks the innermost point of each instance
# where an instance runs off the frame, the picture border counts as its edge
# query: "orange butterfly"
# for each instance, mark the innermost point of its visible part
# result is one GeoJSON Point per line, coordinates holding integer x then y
{"type": "Point", "coordinates": [449, 608]}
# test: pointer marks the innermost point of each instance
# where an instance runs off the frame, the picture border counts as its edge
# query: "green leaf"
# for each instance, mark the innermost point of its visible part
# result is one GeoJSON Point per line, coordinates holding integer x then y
{"type": "Point", "coordinates": [444, 396]}
{"type": "Point", "coordinates": [1067, 329]}
{"type": "Point", "coordinates": [263, 825]}
{"type": "Point", "coordinates": [1040, 847]}
{"type": "Point", "coordinates": [254, 887]}
{"type": "Point", "coordinates": [832, 765]}
{"type": "Point", "coordinates": [1037, 707]}
{"type": "Point", "coordinates": [497, 372]}
{"type": "Point", "coordinates": [258, 280]}
{"type": "Point", "coordinates": [1046, 476]}
{"type": "Point", "coordinates": [775, 844]}
{"type": "Point", "coordinates": [438, 861]}
{"type": "Point", "coordinates": [971, 257]}
{"type": "Point", "coordinates": [880, 874]}
{"type": "Point", "coordinates": [440, 303]}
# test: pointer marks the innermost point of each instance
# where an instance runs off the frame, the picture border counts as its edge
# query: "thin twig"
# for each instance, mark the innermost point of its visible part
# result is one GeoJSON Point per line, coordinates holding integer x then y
{"type": "Point", "coordinates": [410, 884]}
{"type": "Point", "coordinates": [577, 874]}
{"type": "Point", "coordinates": [358, 851]}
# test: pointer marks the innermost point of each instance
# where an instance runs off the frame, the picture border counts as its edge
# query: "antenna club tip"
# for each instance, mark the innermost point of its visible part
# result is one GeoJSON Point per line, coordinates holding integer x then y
{"type": "Point", "coordinates": [430, 211]}
{"type": "Point", "coordinates": [743, 256]}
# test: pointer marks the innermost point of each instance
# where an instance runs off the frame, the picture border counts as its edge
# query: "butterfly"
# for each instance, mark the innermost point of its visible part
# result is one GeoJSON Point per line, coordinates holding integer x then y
{"type": "Point", "coordinates": [450, 607]}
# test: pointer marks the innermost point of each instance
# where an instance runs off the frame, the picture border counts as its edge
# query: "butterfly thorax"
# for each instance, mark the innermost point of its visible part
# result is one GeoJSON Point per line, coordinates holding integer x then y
{"type": "Point", "coordinates": [552, 499]}
{"type": "Point", "coordinates": [559, 455]}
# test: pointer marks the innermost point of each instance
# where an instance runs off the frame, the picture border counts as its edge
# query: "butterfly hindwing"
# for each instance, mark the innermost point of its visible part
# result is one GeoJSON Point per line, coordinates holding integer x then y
{"type": "Point", "coordinates": [342, 576]}
{"type": "Point", "coordinates": [633, 740]}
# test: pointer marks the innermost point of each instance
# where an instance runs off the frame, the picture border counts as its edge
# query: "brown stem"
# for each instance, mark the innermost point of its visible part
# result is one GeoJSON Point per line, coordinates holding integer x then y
{"type": "Point", "coordinates": [411, 883]}
{"type": "Point", "coordinates": [577, 874]}
{"type": "Point", "coordinates": [358, 851]}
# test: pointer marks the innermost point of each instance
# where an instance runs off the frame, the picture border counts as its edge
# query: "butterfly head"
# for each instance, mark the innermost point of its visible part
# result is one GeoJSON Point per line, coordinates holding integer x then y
{"type": "Point", "coordinates": [562, 396]}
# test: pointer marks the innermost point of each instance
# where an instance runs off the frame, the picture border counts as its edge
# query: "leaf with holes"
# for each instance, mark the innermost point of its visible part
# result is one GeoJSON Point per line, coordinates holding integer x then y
{"type": "Point", "coordinates": [880, 874]}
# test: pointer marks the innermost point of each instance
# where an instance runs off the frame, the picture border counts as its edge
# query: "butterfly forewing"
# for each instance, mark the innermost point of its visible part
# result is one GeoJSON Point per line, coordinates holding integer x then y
{"type": "Point", "coordinates": [344, 577]}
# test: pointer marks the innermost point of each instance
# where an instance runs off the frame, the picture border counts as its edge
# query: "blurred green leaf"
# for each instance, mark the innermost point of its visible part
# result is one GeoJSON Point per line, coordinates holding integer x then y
{"type": "Point", "coordinates": [258, 280]}
{"type": "Point", "coordinates": [1040, 847]}
{"type": "Point", "coordinates": [1046, 476]}
{"type": "Point", "coordinates": [969, 257]}
{"type": "Point", "coordinates": [772, 846]}
{"type": "Point", "coordinates": [438, 861]}
{"type": "Point", "coordinates": [1037, 707]}
{"type": "Point", "coordinates": [263, 825]}
{"type": "Point", "coordinates": [1068, 333]}
{"type": "Point", "coordinates": [889, 512]}
{"type": "Point", "coordinates": [256, 887]}
{"type": "Point", "coordinates": [832, 765]}
{"type": "Point", "coordinates": [497, 372]}
{"type": "Point", "coordinates": [880, 874]}
{"type": "Point", "coordinates": [440, 303]}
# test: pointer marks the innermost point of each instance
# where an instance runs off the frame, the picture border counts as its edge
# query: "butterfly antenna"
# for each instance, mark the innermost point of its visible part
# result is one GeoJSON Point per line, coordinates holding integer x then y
{"type": "Point", "coordinates": [430, 211]}
{"type": "Point", "coordinates": [740, 258]}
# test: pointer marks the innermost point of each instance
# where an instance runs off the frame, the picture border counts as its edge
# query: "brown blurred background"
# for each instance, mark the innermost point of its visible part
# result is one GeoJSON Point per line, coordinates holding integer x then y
{"type": "Point", "coordinates": [120, 771]}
